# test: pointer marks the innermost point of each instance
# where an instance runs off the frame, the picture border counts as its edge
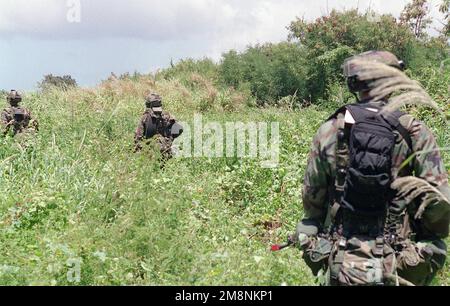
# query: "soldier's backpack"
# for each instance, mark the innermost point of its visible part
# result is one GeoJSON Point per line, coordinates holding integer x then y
{"type": "Point", "coordinates": [363, 174]}
{"type": "Point", "coordinates": [157, 125]}
{"type": "Point", "coordinates": [363, 192]}
{"type": "Point", "coordinates": [151, 127]}
{"type": "Point", "coordinates": [18, 114]}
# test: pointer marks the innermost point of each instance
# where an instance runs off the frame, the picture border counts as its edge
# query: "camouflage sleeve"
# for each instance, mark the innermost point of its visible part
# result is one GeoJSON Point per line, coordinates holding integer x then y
{"type": "Point", "coordinates": [5, 118]}
{"type": "Point", "coordinates": [139, 134]}
{"type": "Point", "coordinates": [169, 119]}
{"type": "Point", "coordinates": [429, 166]}
{"type": "Point", "coordinates": [319, 174]}
{"type": "Point", "coordinates": [28, 118]}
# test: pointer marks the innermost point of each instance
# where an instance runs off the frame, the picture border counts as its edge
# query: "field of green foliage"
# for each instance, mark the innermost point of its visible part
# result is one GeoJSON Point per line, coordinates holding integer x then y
{"type": "Point", "coordinates": [77, 193]}
{"type": "Point", "coordinates": [75, 198]}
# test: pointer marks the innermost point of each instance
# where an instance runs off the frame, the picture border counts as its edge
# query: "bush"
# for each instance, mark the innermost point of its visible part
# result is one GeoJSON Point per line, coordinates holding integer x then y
{"type": "Point", "coordinates": [271, 71]}
{"type": "Point", "coordinates": [330, 39]}
{"type": "Point", "coordinates": [65, 82]}
{"type": "Point", "coordinates": [185, 68]}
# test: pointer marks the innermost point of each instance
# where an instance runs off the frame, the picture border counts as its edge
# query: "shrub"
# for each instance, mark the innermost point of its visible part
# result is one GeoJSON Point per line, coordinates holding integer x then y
{"type": "Point", "coordinates": [329, 39]}
{"type": "Point", "coordinates": [270, 71]}
{"type": "Point", "coordinates": [65, 82]}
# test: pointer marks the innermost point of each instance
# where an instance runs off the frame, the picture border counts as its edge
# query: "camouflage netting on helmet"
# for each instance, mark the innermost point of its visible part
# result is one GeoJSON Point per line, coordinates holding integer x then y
{"type": "Point", "coordinates": [384, 57]}
{"type": "Point", "coordinates": [153, 100]}
{"type": "Point", "coordinates": [384, 81]}
{"type": "Point", "coordinates": [14, 97]}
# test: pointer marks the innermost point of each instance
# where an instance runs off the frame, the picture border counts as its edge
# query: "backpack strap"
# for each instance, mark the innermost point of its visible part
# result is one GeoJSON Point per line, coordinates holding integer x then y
{"type": "Point", "coordinates": [337, 261]}
{"type": "Point", "coordinates": [393, 120]}
{"type": "Point", "coordinates": [342, 162]}
{"type": "Point", "coordinates": [339, 111]}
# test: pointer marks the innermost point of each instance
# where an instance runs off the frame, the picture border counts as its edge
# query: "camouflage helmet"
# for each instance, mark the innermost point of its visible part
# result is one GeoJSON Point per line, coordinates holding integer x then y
{"type": "Point", "coordinates": [14, 97]}
{"type": "Point", "coordinates": [154, 102]}
{"type": "Point", "coordinates": [351, 69]}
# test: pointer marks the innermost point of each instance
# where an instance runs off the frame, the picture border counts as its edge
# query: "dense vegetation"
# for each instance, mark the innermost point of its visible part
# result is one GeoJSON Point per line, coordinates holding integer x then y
{"type": "Point", "coordinates": [307, 68]}
{"type": "Point", "coordinates": [61, 82]}
{"type": "Point", "coordinates": [76, 192]}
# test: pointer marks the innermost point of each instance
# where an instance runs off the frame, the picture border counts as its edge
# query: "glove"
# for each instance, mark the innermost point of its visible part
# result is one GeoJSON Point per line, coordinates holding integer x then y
{"type": "Point", "coordinates": [305, 229]}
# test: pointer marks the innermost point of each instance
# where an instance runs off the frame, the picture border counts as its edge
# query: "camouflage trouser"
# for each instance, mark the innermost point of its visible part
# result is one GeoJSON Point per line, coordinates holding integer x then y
{"type": "Point", "coordinates": [160, 143]}
{"type": "Point", "coordinates": [369, 262]}
{"type": "Point", "coordinates": [165, 146]}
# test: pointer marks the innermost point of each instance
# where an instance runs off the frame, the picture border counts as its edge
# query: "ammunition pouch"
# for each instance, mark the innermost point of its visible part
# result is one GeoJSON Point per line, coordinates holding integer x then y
{"type": "Point", "coordinates": [419, 263]}
{"type": "Point", "coordinates": [362, 262]}
{"type": "Point", "coordinates": [316, 252]}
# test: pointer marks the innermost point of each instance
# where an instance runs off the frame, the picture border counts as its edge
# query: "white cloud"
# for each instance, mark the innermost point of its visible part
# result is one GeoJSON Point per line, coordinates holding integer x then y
{"type": "Point", "coordinates": [219, 24]}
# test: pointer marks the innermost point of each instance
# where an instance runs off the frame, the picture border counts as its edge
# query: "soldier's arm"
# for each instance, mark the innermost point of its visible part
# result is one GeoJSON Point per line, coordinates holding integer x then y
{"type": "Point", "coordinates": [6, 121]}
{"type": "Point", "coordinates": [318, 174]}
{"type": "Point", "coordinates": [139, 134]}
{"type": "Point", "coordinates": [5, 118]}
{"type": "Point", "coordinates": [169, 119]}
{"type": "Point", "coordinates": [33, 121]}
{"type": "Point", "coordinates": [27, 118]}
{"type": "Point", "coordinates": [429, 166]}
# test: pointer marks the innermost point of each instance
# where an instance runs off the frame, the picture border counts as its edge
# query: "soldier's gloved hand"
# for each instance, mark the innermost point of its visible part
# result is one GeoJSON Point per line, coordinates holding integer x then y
{"type": "Point", "coordinates": [305, 229]}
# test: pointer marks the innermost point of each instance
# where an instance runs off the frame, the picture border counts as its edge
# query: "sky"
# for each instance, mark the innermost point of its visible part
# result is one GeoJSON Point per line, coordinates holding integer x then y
{"type": "Point", "coordinates": [89, 39]}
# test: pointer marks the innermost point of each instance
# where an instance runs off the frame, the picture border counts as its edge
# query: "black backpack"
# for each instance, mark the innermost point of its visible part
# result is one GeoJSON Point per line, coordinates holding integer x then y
{"type": "Point", "coordinates": [363, 175]}
{"type": "Point", "coordinates": [151, 126]}
{"type": "Point", "coordinates": [156, 125]}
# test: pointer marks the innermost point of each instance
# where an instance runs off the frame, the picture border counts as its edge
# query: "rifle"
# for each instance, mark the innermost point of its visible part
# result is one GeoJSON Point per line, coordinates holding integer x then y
{"type": "Point", "coordinates": [279, 247]}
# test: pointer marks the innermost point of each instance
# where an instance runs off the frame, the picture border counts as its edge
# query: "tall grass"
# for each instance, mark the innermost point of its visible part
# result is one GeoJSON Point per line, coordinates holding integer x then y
{"type": "Point", "coordinates": [78, 192]}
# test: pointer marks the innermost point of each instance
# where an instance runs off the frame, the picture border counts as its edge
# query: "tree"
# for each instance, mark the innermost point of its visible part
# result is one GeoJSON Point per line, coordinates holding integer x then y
{"type": "Point", "coordinates": [330, 39]}
{"type": "Point", "coordinates": [65, 82]}
{"type": "Point", "coordinates": [269, 71]}
{"type": "Point", "coordinates": [352, 29]}
{"type": "Point", "coordinates": [415, 15]}
{"type": "Point", "coordinates": [445, 9]}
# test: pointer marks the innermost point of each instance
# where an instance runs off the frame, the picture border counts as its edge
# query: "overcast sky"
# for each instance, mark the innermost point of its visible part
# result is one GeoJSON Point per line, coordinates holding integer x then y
{"type": "Point", "coordinates": [98, 37]}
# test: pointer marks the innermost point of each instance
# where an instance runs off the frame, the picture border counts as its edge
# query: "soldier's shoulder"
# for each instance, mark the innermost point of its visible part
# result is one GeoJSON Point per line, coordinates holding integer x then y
{"type": "Point", "coordinates": [326, 135]}
{"type": "Point", "coordinates": [26, 110]}
{"type": "Point", "coordinates": [414, 126]}
{"type": "Point", "coordinates": [407, 120]}
{"type": "Point", "coordinates": [328, 127]}
{"type": "Point", "coordinates": [146, 113]}
{"type": "Point", "coordinates": [167, 115]}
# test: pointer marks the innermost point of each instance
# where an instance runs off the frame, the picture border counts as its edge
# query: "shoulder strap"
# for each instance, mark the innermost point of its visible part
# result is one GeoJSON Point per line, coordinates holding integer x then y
{"type": "Point", "coordinates": [339, 111]}
{"type": "Point", "coordinates": [342, 161]}
{"type": "Point", "coordinates": [393, 120]}
{"type": "Point", "coordinates": [359, 112]}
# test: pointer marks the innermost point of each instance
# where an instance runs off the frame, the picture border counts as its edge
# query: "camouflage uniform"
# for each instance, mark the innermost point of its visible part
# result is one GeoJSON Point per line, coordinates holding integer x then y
{"type": "Point", "coordinates": [154, 118]}
{"type": "Point", "coordinates": [434, 225]}
{"type": "Point", "coordinates": [423, 250]}
{"type": "Point", "coordinates": [9, 117]}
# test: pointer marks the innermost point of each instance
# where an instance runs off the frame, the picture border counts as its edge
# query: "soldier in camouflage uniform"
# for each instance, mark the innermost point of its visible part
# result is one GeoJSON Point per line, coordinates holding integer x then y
{"type": "Point", "coordinates": [422, 253]}
{"type": "Point", "coordinates": [156, 124]}
{"type": "Point", "coordinates": [16, 119]}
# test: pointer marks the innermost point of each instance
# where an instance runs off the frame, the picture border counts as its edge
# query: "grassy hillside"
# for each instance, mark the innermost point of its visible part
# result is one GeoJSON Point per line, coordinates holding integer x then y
{"type": "Point", "coordinates": [77, 192]}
